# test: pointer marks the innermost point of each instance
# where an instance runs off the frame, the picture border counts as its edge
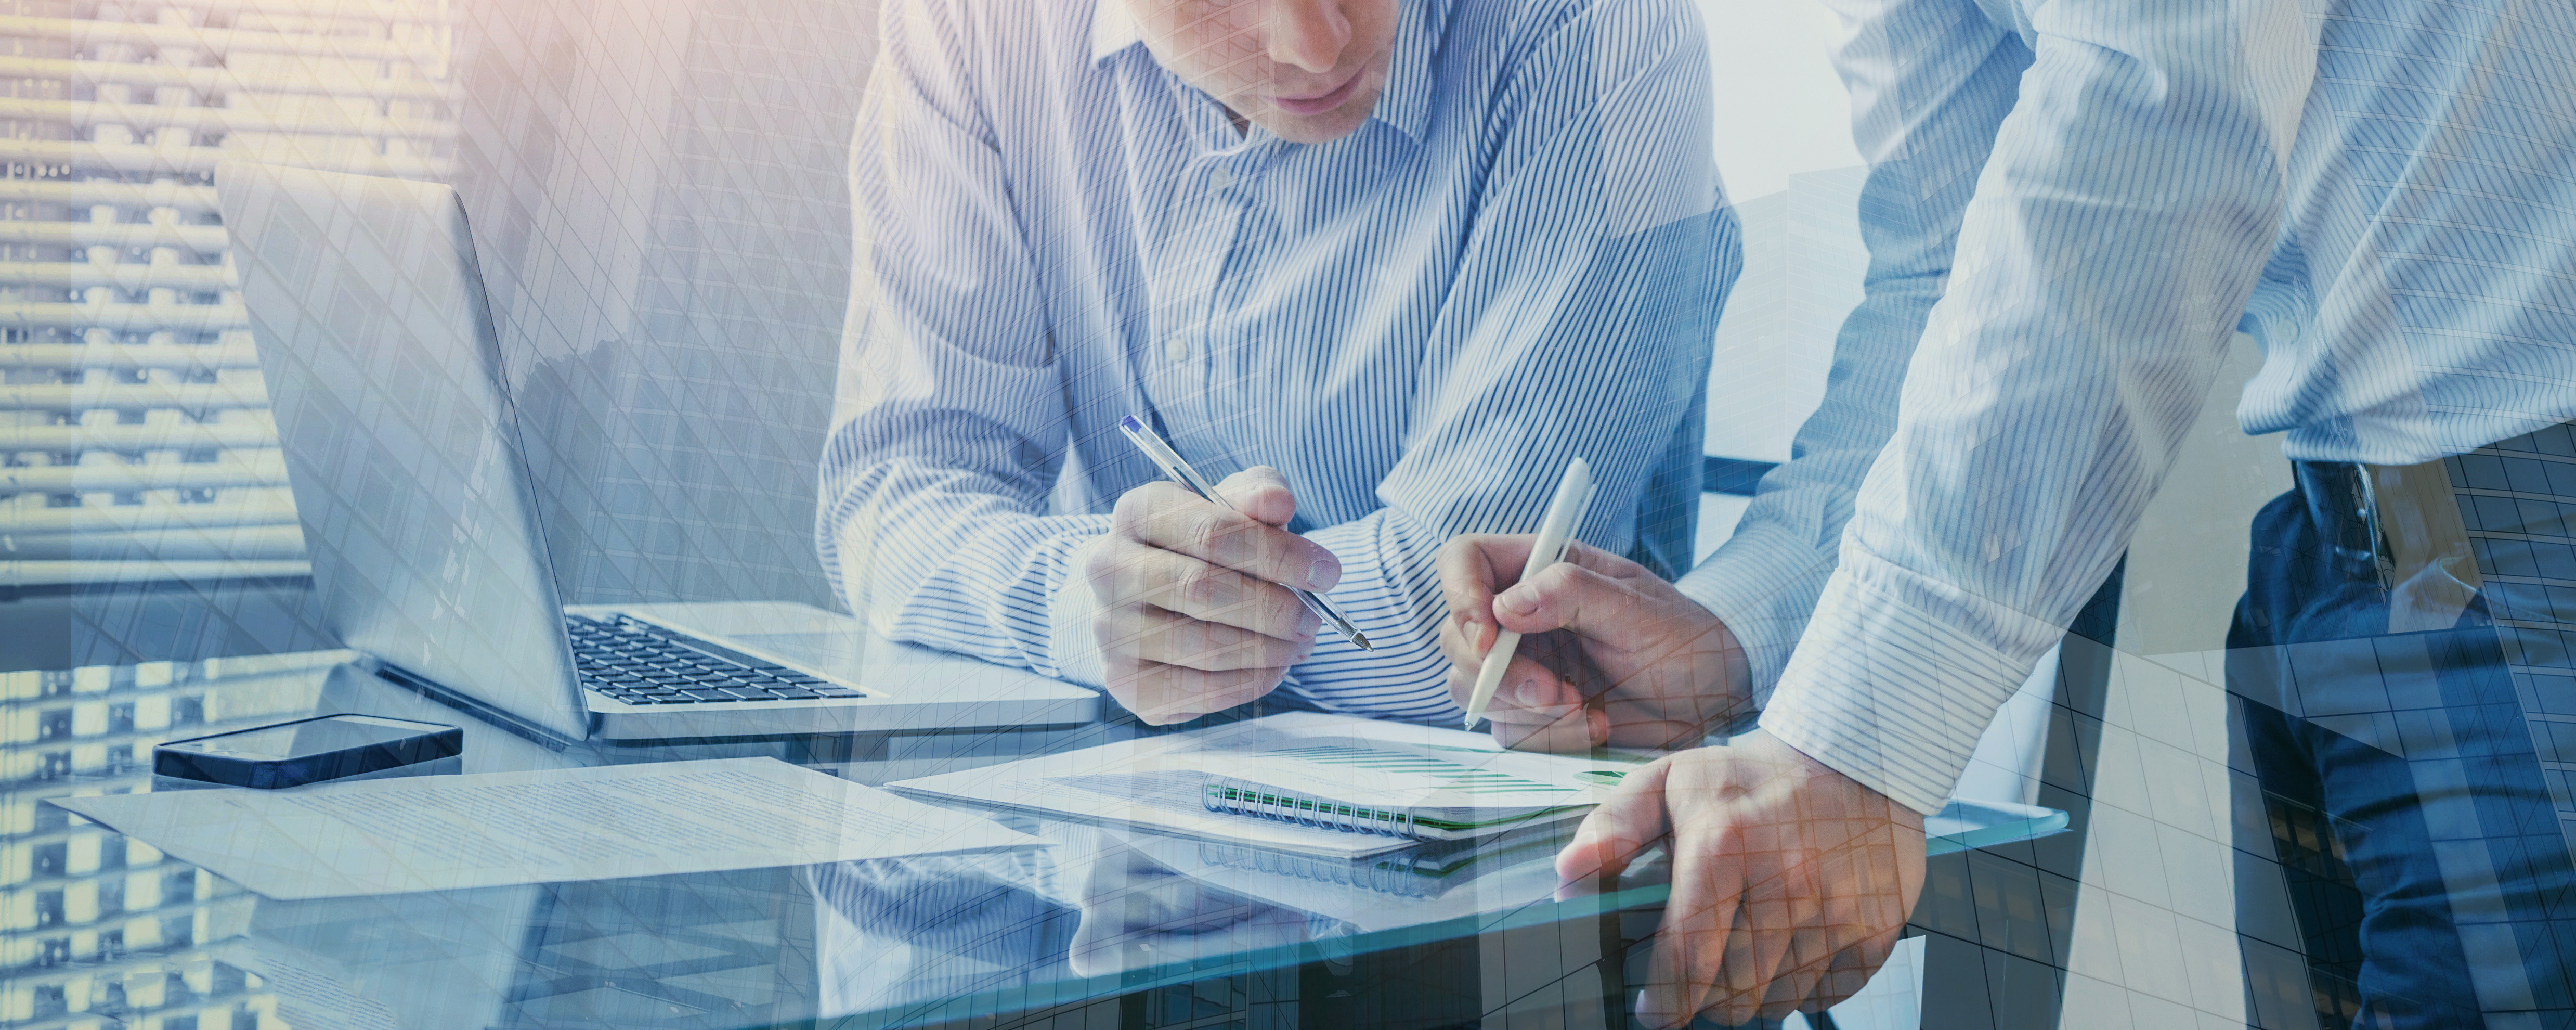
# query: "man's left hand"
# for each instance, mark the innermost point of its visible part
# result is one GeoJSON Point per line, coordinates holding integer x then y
{"type": "Point", "coordinates": [1790, 880]}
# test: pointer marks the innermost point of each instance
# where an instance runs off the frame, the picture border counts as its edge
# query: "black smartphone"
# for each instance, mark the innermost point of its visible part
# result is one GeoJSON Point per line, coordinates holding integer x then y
{"type": "Point", "coordinates": [291, 754]}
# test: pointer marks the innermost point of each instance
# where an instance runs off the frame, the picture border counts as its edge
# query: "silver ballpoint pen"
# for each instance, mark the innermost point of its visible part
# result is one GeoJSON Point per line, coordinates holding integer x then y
{"type": "Point", "coordinates": [1170, 461]}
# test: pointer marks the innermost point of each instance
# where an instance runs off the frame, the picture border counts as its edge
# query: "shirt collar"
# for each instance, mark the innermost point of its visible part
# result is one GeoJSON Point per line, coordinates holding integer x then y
{"type": "Point", "coordinates": [1112, 29]}
{"type": "Point", "coordinates": [1406, 103]}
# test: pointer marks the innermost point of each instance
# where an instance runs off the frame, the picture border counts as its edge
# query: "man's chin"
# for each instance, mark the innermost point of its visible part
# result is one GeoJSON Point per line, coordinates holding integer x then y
{"type": "Point", "coordinates": [1320, 128]}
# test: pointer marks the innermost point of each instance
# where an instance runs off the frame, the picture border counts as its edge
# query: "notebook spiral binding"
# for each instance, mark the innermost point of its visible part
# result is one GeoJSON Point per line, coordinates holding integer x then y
{"type": "Point", "coordinates": [1379, 877]}
{"type": "Point", "coordinates": [1244, 798]}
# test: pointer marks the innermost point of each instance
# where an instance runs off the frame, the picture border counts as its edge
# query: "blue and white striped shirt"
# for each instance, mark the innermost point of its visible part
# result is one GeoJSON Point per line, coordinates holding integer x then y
{"type": "Point", "coordinates": [2070, 205]}
{"type": "Point", "coordinates": [1519, 259]}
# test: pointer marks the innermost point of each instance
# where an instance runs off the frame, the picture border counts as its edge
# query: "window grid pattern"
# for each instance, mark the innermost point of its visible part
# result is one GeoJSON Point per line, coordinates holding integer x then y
{"type": "Point", "coordinates": [135, 443]}
{"type": "Point", "coordinates": [97, 930]}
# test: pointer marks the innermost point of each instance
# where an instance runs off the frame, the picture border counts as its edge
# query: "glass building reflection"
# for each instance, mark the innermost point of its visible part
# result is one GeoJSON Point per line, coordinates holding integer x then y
{"type": "Point", "coordinates": [661, 190]}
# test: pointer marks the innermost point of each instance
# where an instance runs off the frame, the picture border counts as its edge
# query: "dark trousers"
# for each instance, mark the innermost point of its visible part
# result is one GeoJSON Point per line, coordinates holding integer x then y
{"type": "Point", "coordinates": [2410, 785]}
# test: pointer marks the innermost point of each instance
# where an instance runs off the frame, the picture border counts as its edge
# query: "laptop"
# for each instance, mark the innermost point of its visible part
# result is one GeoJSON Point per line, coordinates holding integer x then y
{"type": "Point", "coordinates": [386, 380]}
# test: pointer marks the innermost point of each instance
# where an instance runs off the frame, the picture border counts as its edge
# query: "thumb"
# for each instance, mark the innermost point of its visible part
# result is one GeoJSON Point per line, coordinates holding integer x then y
{"type": "Point", "coordinates": [1612, 836]}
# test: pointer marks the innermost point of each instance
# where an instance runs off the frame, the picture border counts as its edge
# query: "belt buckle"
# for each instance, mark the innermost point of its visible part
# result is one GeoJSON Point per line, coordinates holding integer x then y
{"type": "Point", "coordinates": [2419, 547]}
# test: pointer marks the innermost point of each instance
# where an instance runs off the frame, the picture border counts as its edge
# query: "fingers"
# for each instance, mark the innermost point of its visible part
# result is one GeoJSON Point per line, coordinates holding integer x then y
{"type": "Point", "coordinates": [1155, 635]}
{"type": "Point", "coordinates": [1571, 597]}
{"type": "Point", "coordinates": [1621, 729]}
{"type": "Point", "coordinates": [1577, 732]}
{"type": "Point", "coordinates": [1692, 944]}
{"type": "Point", "coordinates": [1791, 883]}
{"type": "Point", "coordinates": [1193, 617]}
{"type": "Point", "coordinates": [1510, 691]}
{"type": "Point", "coordinates": [1166, 517]}
{"type": "Point", "coordinates": [1852, 968]}
{"type": "Point", "coordinates": [1534, 710]}
{"type": "Point", "coordinates": [1128, 575]}
{"type": "Point", "coordinates": [1834, 960]}
{"type": "Point", "coordinates": [1783, 934]}
{"type": "Point", "coordinates": [1163, 694]}
{"type": "Point", "coordinates": [1753, 947]}
{"type": "Point", "coordinates": [1531, 695]}
{"type": "Point", "coordinates": [1612, 835]}
{"type": "Point", "coordinates": [1476, 566]}
{"type": "Point", "coordinates": [1471, 569]}
{"type": "Point", "coordinates": [1464, 639]}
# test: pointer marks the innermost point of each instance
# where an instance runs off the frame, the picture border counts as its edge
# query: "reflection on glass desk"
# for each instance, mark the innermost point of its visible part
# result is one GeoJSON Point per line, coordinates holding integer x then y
{"type": "Point", "coordinates": [102, 930]}
{"type": "Point", "coordinates": [1971, 824]}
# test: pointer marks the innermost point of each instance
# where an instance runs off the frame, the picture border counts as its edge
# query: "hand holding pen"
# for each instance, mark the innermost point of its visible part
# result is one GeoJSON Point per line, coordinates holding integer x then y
{"type": "Point", "coordinates": [1199, 605]}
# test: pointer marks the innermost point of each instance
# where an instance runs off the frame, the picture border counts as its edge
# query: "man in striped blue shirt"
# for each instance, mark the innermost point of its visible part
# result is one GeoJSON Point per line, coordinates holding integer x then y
{"type": "Point", "coordinates": [2071, 206]}
{"type": "Point", "coordinates": [1392, 264]}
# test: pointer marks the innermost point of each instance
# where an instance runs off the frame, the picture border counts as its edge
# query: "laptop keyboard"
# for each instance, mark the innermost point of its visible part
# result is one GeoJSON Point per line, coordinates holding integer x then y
{"type": "Point", "coordinates": [643, 664]}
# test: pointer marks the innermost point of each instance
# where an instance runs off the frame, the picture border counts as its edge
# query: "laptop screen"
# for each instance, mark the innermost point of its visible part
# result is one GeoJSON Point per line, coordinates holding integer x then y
{"type": "Point", "coordinates": [401, 449]}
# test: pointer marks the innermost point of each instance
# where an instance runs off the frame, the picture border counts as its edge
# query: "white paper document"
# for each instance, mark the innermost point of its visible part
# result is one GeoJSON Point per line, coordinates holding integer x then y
{"type": "Point", "coordinates": [1162, 782]}
{"type": "Point", "coordinates": [449, 832]}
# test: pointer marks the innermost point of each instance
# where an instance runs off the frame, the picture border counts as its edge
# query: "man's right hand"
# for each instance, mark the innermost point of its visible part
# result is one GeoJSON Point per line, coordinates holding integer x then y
{"type": "Point", "coordinates": [1192, 615]}
{"type": "Point", "coordinates": [1790, 880]}
{"type": "Point", "coordinates": [1650, 669]}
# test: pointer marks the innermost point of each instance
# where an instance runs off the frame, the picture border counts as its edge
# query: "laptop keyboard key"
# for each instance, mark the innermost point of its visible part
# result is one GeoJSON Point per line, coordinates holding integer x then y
{"type": "Point", "coordinates": [641, 664]}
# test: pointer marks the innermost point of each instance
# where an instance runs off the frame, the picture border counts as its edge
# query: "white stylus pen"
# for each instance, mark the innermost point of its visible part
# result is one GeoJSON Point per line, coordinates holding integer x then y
{"type": "Point", "coordinates": [1564, 515]}
{"type": "Point", "coordinates": [1170, 462]}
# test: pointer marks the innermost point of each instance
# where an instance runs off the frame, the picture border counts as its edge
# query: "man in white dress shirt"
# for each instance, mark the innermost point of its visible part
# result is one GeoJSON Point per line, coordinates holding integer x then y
{"type": "Point", "coordinates": [1391, 264]}
{"type": "Point", "coordinates": [2072, 205]}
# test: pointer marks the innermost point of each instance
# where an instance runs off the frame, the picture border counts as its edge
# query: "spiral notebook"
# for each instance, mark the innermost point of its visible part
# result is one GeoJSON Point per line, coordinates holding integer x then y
{"type": "Point", "coordinates": [1422, 872]}
{"type": "Point", "coordinates": [1303, 781]}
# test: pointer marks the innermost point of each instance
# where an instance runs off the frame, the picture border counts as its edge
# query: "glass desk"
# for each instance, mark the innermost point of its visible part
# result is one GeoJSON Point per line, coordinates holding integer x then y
{"type": "Point", "coordinates": [1107, 924]}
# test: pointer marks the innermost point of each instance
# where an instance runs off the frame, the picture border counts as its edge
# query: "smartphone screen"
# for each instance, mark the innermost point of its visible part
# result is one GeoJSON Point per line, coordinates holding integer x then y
{"type": "Point", "coordinates": [311, 737]}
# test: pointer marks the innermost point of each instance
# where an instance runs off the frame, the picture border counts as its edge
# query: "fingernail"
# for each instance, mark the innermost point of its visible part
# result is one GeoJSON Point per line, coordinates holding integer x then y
{"type": "Point", "coordinates": [1525, 693]}
{"type": "Point", "coordinates": [1323, 574]}
{"type": "Point", "coordinates": [1650, 1009]}
{"type": "Point", "coordinates": [1515, 601]}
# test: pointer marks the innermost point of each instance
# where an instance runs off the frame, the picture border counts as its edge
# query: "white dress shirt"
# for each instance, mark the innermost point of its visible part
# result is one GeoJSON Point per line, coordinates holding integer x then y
{"type": "Point", "coordinates": [1517, 260]}
{"type": "Point", "coordinates": [2071, 206]}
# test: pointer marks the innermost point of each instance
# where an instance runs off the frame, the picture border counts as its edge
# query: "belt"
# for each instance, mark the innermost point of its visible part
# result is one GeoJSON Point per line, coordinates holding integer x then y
{"type": "Point", "coordinates": [2402, 524]}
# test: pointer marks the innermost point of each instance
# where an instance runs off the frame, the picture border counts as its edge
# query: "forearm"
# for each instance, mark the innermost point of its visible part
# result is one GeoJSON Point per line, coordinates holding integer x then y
{"type": "Point", "coordinates": [1390, 592]}
{"type": "Point", "coordinates": [1927, 120]}
{"type": "Point", "coordinates": [938, 556]}
{"type": "Point", "coordinates": [2115, 234]}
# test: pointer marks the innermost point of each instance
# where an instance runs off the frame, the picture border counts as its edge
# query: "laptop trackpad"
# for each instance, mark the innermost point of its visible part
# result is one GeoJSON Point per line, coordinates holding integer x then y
{"type": "Point", "coordinates": [891, 667]}
{"type": "Point", "coordinates": [833, 653]}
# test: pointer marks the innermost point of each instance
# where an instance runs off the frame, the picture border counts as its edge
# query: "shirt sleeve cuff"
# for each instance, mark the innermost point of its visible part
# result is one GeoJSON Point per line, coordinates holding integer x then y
{"type": "Point", "coordinates": [1070, 640]}
{"type": "Point", "coordinates": [1763, 586]}
{"type": "Point", "coordinates": [1891, 694]}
